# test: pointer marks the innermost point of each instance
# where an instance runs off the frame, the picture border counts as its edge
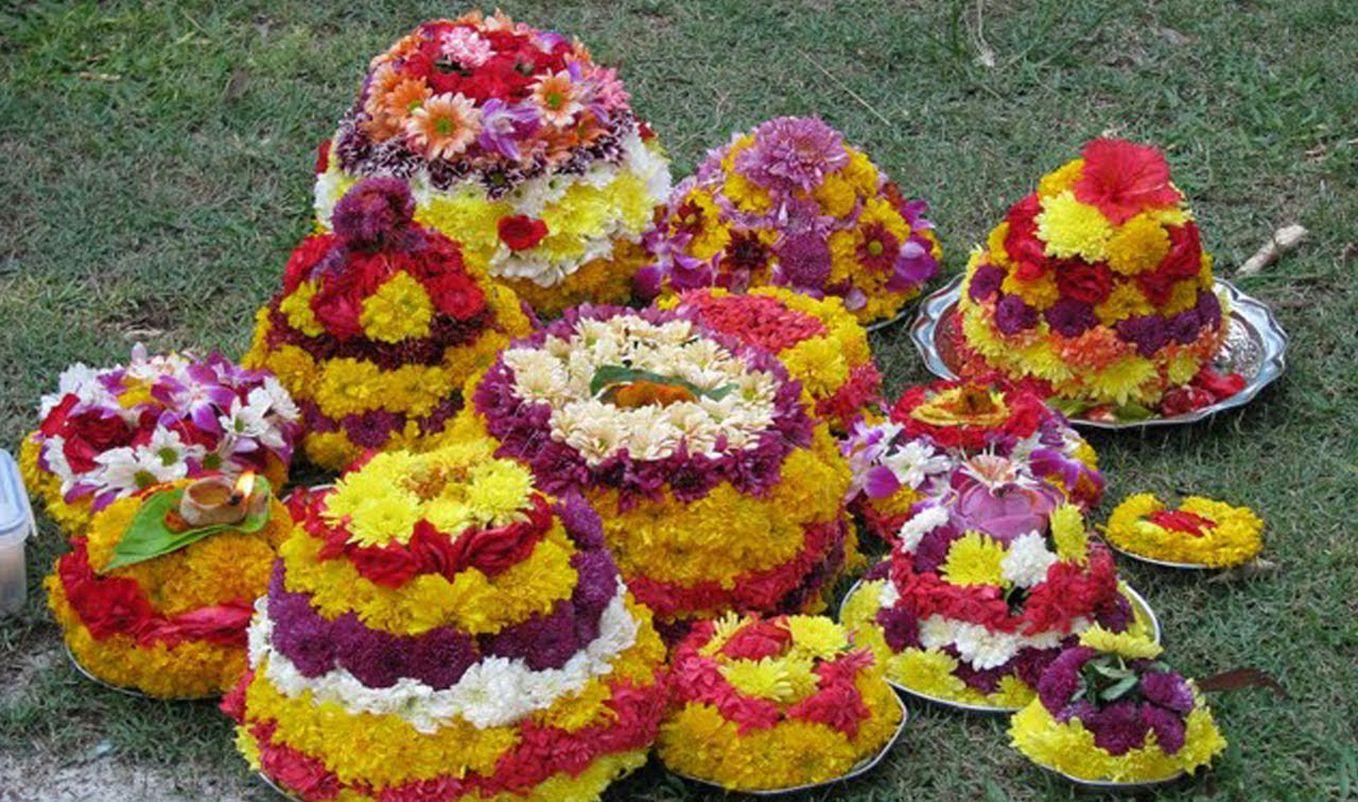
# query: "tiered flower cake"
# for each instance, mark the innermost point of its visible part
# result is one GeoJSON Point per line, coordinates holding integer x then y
{"type": "Point", "coordinates": [995, 452]}
{"type": "Point", "coordinates": [141, 611]}
{"type": "Point", "coordinates": [377, 327]}
{"type": "Point", "coordinates": [1095, 289]}
{"type": "Point", "coordinates": [718, 491]}
{"type": "Point", "coordinates": [776, 703]}
{"type": "Point", "coordinates": [790, 204]}
{"type": "Point", "coordinates": [516, 144]}
{"type": "Point", "coordinates": [970, 614]}
{"type": "Point", "coordinates": [819, 342]}
{"type": "Point", "coordinates": [108, 433]}
{"type": "Point", "coordinates": [437, 629]}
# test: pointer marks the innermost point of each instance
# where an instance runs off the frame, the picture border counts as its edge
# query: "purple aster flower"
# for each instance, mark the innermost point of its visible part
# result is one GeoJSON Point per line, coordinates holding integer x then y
{"type": "Point", "coordinates": [1012, 315]}
{"type": "Point", "coordinates": [1070, 318]}
{"type": "Point", "coordinates": [504, 124]}
{"type": "Point", "coordinates": [932, 550]}
{"type": "Point", "coordinates": [1169, 728]}
{"type": "Point", "coordinates": [1148, 332]}
{"type": "Point", "coordinates": [1117, 728]}
{"type": "Point", "coordinates": [985, 282]}
{"type": "Point", "coordinates": [1167, 689]}
{"type": "Point", "coordinates": [792, 153]}
{"type": "Point", "coordinates": [439, 657]}
{"type": "Point", "coordinates": [1116, 615]}
{"type": "Point", "coordinates": [373, 212]}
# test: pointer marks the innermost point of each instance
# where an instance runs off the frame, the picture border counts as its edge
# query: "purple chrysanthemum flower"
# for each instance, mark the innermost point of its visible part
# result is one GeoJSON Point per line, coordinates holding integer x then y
{"type": "Point", "coordinates": [1070, 318]}
{"type": "Point", "coordinates": [1012, 315]}
{"type": "Point", "coordinates": [791, 153]}
{"type": "Point", "coordinates": [1147, 332]}
{"type": "Point", "coordinates": [373, 428]}
{"type": "Point", "coordinates": [985, 282]}
{"type": "Point", "coordinates": [373, 212]}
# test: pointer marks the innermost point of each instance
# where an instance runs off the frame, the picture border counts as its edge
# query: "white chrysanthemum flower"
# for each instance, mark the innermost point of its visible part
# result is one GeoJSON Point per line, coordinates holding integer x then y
{"type": "Point", "coordinates": [280, 400]}
{"type": "Point", "coordinates": [1026, 562]}
{"type": "Point", "coordinates": [914, 462]}
{"type": "Point", "coordinates": [921, 524]}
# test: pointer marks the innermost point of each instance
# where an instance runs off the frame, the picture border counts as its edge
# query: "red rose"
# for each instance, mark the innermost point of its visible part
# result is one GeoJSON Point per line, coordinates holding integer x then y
{"type": "Point", "coordinates": [391, 566]}
{"type": "Point", "coordinates": [102, 432]}
{"type": "Point", "coordinates": [1084, 282]}
{"type": "Point", "coordinates": [338, 303]}
{"type": "Point", "coordinates": [521, 232]}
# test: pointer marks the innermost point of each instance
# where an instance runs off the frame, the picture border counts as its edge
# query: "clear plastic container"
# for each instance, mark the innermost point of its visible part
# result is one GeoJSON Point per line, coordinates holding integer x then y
{"type": "Point", "coordinates": [16, 524]}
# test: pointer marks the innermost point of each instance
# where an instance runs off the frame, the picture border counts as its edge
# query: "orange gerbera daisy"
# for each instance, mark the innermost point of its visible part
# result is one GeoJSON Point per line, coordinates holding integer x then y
{"type": "Point", "coordinates": [443, 126]}
{"type": "Point", "coordinates": [557, 98]}
{"type": "Point", "coordinates": [405, 98]}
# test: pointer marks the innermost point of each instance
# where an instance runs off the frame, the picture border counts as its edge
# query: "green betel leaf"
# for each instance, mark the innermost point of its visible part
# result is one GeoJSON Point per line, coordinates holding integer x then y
{"type": "Point", "coordinates": [607, 376]}
{"type": "Point", "coordinates": [1131, 412]}
{"type": "Point", "coordinates": [148, 536]}
{"type": "Point", "coordinates": [1116, 690]}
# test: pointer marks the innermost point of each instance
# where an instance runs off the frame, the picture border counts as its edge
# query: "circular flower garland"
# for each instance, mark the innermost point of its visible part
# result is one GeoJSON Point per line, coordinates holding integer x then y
{"type": "Point", "coordinates": [790, 204]}
{"type": "Point", "coordinates": [108, 433]}
{"type": "Point", "coordinates": [1200, 530]}
{"type": "Point", "coordinates": [377, 327]}
{"type": "Point", "coordinates": [1109, 711]}
{"type": "Point", "coordinates": [436, 628]}
{"type": "Point", "coordinates": [516, 144]}
{"type": "Point", "coordinates": [174, 626]}
{"type": "Point", "coordinates": [974, 617]}
{"type": "Point", "coordinates": [1095, 289]}
{"type": "Point", "coordinates": [996, 452]}
{"type": "Point", "coordinates": [819, 342]}
{"type": "Point", "coordinates": [760, 704]}
{"type": "Point", "coordinates": [717, 489]}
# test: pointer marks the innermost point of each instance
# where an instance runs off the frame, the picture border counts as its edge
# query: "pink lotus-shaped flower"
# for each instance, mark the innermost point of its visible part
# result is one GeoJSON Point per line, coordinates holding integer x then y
{"type": "Point", "coordinates": [991, 496]}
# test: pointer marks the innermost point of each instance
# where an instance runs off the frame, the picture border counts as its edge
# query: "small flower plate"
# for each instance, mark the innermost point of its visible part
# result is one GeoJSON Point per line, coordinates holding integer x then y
{"type": "Point", "coordinates": [1131, 555]}
{"type": "Point", "coordinates": [863, 767]}
{"type": "Point", "coordinates": [1256, 348]}
{"type": "Point", "coordinates": [133, 692]}
{"type": "Point", "coordinates": [1141, 609]}
{"type": "Point", "coordinates": [1112, 786]}
{"type": "Point", "coordinates": [891, 321]}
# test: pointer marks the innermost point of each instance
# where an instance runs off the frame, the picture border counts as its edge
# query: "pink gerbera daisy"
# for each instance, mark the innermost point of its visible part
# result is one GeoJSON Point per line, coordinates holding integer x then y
{"type": "Point", "coordinates": [443, 126]}
{"type": "Point", "coordinates": [557, 98]}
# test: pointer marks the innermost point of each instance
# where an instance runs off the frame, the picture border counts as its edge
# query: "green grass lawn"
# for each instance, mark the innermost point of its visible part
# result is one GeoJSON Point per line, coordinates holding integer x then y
{"type": "Point", "coordinates": [155, 170]}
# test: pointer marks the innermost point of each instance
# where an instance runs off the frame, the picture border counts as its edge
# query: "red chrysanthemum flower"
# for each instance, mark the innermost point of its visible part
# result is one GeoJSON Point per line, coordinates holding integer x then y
{"type": "Point", "coordinates": [1123, 178]}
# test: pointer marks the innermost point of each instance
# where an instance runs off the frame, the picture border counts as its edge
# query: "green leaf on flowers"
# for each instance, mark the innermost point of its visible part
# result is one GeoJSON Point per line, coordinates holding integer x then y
{"type": "Point", "coordinates": [1070, 407]}
{"type": "Point", "coordinates": [149, 536]}
{"type": "Point", "coordinates": [1131, 412]}
{"type": "Point", "coordinates": [607, 376]}
{"type": "Point", "coordinates": [1117, 689]}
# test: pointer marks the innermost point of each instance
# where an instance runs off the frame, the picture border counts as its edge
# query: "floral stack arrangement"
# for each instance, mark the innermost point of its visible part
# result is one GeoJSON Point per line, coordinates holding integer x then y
{"type": "Point", "coordinates": [377, 326]}
{"type": "Point", "coordinates": [437, 628]}
{"type": "Point", "coordinates": [1095, 290]}
{"type": "Point", "coordinates": [970, 613]}
{"type": "Point", "coordinates": [995, 454]}
{"type": "Point", "coordinates": [1110, 711]}
{"type": "Point", "coordinates": [156, 597]}
{"type": "Point", "coordinates": [717, 487]}
{"type": "Point", "coordinates": [1200, 532]}
{"type": "Point", "coordinates": [515, 143]}
{"type": "Point", "coordinates": [774, 703]}
{"type": "Point", "coordinates": [110, 433]}
{"type": "Point", "coordinates": [820, 343]}
{"type": "Point", "coordinates": [790, 204]}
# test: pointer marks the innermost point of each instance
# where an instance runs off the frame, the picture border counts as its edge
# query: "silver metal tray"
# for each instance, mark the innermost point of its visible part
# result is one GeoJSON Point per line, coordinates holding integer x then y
{"type": "Point", "coordinates": [894, 319]}
{"type": "Point", "coordinates": [1256, 348]}
{"type": "Point", "coordinates": [864, 766]}
{"type": "Point", "coordinates": [1131, 555]}
{"type": "Point", "coordinates": [1111, 786]}
{"type": "Point", "coordinates": [1136, 599]}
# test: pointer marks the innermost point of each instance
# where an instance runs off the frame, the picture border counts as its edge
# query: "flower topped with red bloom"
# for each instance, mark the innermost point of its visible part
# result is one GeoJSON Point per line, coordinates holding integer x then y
{"type": "Point", "coordinates": [747, 689]}
{"type": "Point", "coordinates": [377, 325]}
{"type": "Point", "coordinates": [1095, 289]}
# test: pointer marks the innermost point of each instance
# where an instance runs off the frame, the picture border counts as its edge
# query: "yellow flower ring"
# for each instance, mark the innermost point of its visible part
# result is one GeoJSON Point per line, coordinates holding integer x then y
{"type": "Point", "coordinates": [1101, 298]}
{"type": "Point", "coordinates": [554, 195]}
{"type": "Point", "coordinates": [764, 704]}
{"type": "Point", "coordinates": [820, 343]}
{"type": "Point", "coordinates": [172, 627]}
{"type": "Point", "coordinates": [1200, 532]}
{"type": "Point", "coordinates": [376, 348]}
{"type": "Point", "coordinates": [438, 623]}
{"type": "Point", "coordinates": [724, 496]}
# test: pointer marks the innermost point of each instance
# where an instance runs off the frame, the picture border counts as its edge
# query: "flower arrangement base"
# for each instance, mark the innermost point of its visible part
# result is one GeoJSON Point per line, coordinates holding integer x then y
{"type": "Point", "coordinates": [123, 689]}
{"type": "Point", "coordinates": [862, 767]}
{"type": "Point", "coordinates": [1255, 347]}
{"type": "Point", "coordinates": [1200, 534]}
{"type": "Point", "coordinates": [1146, 623]}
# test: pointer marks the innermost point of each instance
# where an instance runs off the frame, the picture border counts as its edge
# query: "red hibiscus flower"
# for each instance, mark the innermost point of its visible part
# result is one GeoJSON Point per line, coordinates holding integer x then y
{"type": "Point", "coordinates": [1084, 282]}
{"type": "Point", "coordinates": [521, 232]}
{"type": "Point", "coordinates": [1123, 178]}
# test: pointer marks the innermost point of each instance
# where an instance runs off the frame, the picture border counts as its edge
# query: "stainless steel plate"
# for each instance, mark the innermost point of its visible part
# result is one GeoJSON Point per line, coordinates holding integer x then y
{"type": "Point", "coordinates": [1138, 602]}
{"type": "Point", "coordinates": [863, 766]}
{"type": "Point", "coordinates": [1111, 786]}
{"type": "Point", "coordinates": [1256, 348]}
{"type": "Point", "coordinates": [1162, 563]}
{"type": "Point", "coordinates": [891, 321]}
{"type": "Point", "coordinates": [133, 692]}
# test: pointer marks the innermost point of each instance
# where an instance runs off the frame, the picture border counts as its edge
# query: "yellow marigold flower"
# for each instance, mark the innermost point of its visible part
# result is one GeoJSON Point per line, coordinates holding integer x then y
{"type": "Point", "coordinates": [1070, 228]}
{"type": "Point", "coordinates": [400, 309]}
{"type": "Point", "coordinates": [860, 172]}
{"type": "Point", "coordinates": [1126, 300]}
{"type": "Point", "coordinates": [296, 308]}
{"type": "Point", "coordinates": [995, 246]}
{"type": "Point", "coordinates": [1128, 379]}
{"type": "Point", "coordinates": [749, 196]}
{"type": "Point", "coordinates": [1182, 296]}
{"type": "Point", "coordinates": [836, 195]}
{"type": "Point", "coordinates": [469, 217]}
{"type": "Point", "coordinates": [1068, 531]}
{"type": "Point", "coordinates": [974, 559]}
{"type": "Point", "coordinates": [1132, 647]}
{"type": "Point", "coordinates": [714, 235]}
{"type": "Point", "coordinates": [1039, 293]}
{"type": "Point", "coordinates": [819, 364]}
{"type": "Point", "coordinates": [497, 492]}
{"type": "Point", "coordinates": [1138, 245]}
{"type": "Point", "coordinates": [816, 636]}
{"type": "Point", "coordinates": [776, 679]}
{"type": "Point", "coordinates": [1061, 179]}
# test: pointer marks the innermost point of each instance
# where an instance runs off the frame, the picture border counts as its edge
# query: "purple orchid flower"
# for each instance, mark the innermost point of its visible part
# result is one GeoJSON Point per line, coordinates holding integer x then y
{"type": "Point", "coordinates": [504, 124]}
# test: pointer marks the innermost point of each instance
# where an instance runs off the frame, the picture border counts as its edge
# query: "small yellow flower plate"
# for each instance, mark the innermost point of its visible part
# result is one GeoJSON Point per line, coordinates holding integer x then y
{"type": "Point", "coordinates": [133, 692]}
